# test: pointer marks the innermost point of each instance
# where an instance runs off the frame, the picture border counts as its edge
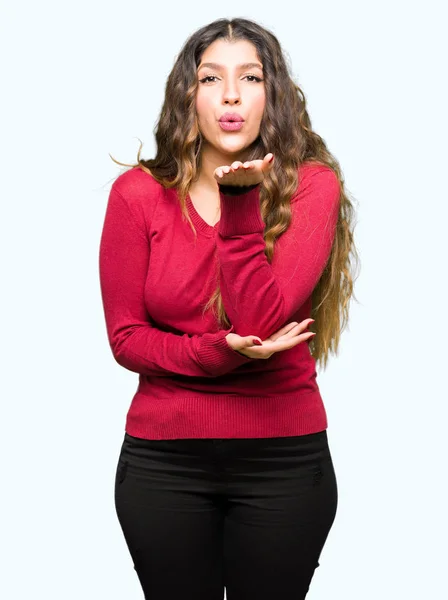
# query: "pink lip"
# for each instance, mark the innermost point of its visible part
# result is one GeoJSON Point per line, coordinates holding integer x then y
{"type": "Point", "coordinates": [231, 125]}
{"type": "Point", "coordinates": [229, 116]}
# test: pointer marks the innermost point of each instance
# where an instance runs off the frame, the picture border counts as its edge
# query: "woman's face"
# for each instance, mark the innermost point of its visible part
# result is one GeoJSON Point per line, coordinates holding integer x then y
{"type": "Point", "coordinates": [230, 85]}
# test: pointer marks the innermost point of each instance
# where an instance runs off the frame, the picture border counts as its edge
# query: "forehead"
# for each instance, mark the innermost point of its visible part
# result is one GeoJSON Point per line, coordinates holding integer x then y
{"type": "Point", "coordinates": [230, 55]}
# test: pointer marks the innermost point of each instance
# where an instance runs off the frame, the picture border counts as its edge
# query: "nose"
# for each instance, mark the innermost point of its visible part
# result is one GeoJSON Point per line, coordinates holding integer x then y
{"type": "Point", "coordinates": [232, 100]}
{"type": "Point", "coordinates": [231, 94]}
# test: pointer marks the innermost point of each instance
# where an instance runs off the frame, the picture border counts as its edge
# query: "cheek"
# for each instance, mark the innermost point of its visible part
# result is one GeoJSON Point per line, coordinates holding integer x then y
{"type": "Point", "coordinates": [255, 103]}
{"type": "Point", "coordinates": [259, 104]}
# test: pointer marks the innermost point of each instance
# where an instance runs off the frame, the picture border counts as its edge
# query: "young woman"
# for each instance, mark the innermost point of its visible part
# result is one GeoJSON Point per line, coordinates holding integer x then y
{"type": "Point", "coordinates": [216, 257]}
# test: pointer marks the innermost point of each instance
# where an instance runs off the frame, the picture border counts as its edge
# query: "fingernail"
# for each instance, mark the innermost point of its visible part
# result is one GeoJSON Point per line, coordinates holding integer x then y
{"type": "Point", "coordinates": [256, 343]}
{"type": "Point", "coordinates": [271, 159]}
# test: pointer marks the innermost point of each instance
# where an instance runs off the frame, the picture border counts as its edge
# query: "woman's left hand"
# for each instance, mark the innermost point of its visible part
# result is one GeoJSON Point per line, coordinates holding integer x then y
{"type": "Point", "coordinates": [242, 174]}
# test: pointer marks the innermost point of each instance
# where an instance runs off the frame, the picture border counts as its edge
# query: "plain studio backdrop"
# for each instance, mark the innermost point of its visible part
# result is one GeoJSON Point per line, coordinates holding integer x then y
{"type": "Point", "coordinates": [85, 79]}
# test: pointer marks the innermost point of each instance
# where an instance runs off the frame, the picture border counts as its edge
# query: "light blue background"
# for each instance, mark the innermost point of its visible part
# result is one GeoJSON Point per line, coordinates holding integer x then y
{"type": "Point", "coordinates": [84, 79]}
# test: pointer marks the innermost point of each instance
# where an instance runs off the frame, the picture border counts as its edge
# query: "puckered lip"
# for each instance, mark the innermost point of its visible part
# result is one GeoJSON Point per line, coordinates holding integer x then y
{"type": "Point", "coordinates": [231, 116]}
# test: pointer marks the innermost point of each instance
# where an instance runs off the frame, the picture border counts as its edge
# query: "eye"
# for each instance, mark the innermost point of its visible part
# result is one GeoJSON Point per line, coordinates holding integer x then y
{"type": "Point", "coordinates": [204, 80]}
{"type": "Point", "coordinates": [254, 79]}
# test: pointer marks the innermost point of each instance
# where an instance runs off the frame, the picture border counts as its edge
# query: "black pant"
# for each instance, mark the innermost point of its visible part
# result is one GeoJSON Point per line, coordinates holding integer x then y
{"type": "Point", "coordinates": [251, 515]}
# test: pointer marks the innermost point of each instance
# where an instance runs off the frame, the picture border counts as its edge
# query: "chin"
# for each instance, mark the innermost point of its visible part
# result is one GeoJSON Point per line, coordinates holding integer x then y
{"type": "Point", "coordinates": [236, 146]}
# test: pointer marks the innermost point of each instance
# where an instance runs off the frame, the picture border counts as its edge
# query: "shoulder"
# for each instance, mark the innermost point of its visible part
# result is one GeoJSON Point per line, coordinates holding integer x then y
{"type": "Point", "coordinates": [314, 173]}
{"type": "Point", "coordinates": [317, 180]}
{"type": "Point", "coordinates": [138, 187]}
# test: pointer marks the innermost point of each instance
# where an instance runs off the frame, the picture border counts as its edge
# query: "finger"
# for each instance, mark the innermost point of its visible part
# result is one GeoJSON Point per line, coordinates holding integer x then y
{"type": "Point", "coordinates": [291, 329]}
{"type": "Point", "coordinates": [286, 344]}
{"type": "Point", "coordinates": [299, 339]}
{"type": "Point", "coordinates": [267, 163]}
{"type": "Point", "coordinates": [252, 340]}
{"type": "Point", "coordinates": [292, 333]}
{"type": "Point", "coordinates": [302, 327]}
{"type": "Point", "coordinates": [283, 330]}
{"type": "Point", "coordinates": [237, 164]}
{"type": "Point", "coordinates": [306, 323]}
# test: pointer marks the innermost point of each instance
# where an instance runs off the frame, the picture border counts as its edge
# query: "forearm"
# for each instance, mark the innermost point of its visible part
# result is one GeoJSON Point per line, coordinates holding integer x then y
{"type": "Point", "coordinates": [260, 297]}
{"type": "Point", "coordinates": [147, 350]}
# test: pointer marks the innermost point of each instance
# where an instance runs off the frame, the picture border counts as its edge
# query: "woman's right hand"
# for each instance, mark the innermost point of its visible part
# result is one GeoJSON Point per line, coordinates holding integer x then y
{"type": "Point", "coordinates": [285, 338]}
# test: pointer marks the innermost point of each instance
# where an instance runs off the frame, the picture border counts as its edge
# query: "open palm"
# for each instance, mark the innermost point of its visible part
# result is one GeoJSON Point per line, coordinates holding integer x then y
{"type": "Point", "coordinates": [285, 338]}
{"type": "Point", "coordinates": [250, 172]}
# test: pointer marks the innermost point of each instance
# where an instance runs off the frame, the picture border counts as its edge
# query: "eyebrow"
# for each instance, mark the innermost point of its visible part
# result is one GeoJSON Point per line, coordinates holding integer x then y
{"type": "Point", "coordinates": [249, 65]}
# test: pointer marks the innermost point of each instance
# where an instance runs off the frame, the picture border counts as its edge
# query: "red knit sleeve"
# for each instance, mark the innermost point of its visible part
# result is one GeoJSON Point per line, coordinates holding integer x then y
{"type": "Point", "coordinates": [256, 299]}
{"type": "Point", "coordinates": [137, 345]}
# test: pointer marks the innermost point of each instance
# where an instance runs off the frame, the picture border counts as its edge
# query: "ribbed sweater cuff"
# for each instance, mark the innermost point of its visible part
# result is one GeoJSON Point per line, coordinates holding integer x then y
{"type": "Point", "coordinates": [217, 356]}
{"type": "Point", "coordinates": [240, 214]}
{"type": "Point", "coordinates": [236, 190]}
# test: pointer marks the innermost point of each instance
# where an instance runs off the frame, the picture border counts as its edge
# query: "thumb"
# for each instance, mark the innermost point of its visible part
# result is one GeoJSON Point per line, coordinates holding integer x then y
{"type": "Point", "coordinates": [252, 340]}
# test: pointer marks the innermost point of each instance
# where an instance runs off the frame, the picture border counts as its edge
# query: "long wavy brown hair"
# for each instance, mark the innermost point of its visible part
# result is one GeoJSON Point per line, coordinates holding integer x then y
{"type": "Point", "coordinates": [285, 131]}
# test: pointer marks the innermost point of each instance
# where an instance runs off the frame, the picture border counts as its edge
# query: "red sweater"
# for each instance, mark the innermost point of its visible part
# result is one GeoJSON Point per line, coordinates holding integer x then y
{"type": "Point", "coordinates": [155, 281]}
